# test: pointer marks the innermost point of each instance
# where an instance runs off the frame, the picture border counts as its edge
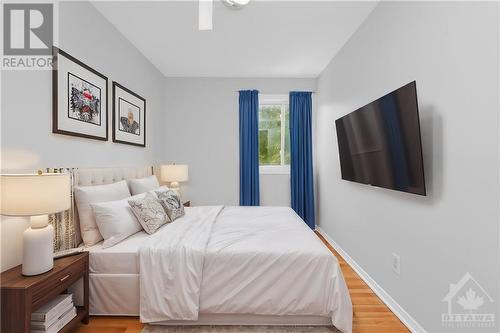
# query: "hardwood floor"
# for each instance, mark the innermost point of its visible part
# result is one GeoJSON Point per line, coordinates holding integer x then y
{"type": "Point", "coordinates": [111, 325]}
{"type": "Point", "coordinates": [370, 314]}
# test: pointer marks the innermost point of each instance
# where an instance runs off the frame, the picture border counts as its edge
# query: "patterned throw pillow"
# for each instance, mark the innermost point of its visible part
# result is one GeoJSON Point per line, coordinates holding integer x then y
{"type": "Point", "coordinates": [149, 212]}
{"type": "Point", "coordinates": [171, 203]}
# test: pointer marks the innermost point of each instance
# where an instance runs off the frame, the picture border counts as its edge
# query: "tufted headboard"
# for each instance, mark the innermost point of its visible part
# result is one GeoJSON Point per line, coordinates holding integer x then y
{"type": "Point", "coordinates": [101, 176]}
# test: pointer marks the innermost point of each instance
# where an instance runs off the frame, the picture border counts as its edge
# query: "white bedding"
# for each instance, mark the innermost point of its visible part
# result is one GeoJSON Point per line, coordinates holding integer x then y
{"type": "Point", "coordinates": [240, 260]}
{"type": "Point", "coordinates": [121, 258]}
{"type": "Point", "coordinates": [171, 267]}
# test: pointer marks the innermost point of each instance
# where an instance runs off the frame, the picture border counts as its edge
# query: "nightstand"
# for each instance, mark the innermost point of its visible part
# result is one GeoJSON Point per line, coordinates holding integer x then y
{"type": "Point", "coordinates": [187, 203]}
{"type": "Point", "coordinates": [23, 294]}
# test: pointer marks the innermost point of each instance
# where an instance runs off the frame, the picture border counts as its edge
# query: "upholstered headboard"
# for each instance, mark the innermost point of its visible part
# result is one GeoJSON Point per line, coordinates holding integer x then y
{"type": "Point", "coordinates": [101, 176]}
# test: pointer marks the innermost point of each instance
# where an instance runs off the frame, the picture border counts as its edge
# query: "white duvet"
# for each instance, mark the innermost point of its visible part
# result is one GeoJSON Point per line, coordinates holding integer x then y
{"type": "Point", "coordinates": [240, 260]}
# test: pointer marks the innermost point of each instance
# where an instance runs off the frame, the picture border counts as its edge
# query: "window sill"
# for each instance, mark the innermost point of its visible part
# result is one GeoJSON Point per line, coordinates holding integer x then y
{"type": "Point", "coordinates": [274, 169]}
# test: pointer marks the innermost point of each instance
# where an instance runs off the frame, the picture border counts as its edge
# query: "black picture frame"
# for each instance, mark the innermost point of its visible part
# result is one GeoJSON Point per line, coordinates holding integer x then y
{"type": "Point", "coordinates": [115, 124]}
{"type": "Point", "coordinates": [55, 96]}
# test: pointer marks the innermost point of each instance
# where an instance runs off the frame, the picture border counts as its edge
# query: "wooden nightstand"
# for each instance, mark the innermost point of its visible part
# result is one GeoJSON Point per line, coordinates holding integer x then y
{"type": "Point", "coordinates": [23, 294]}
{"type": "Point", "coordinates": [187, 203]}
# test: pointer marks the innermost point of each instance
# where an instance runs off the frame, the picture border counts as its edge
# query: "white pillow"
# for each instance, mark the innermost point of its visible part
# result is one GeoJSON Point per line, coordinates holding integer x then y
{"type": "Point", "coordinates": [116, 220]}
{"type": "Point", "coordinates": [85, 195]}
{"type": "Point", "coordinates": [138, 186]}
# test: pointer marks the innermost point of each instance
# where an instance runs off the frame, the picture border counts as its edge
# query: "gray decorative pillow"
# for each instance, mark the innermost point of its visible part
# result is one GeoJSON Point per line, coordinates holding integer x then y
{"type": "Point", "coordinates": [171, 203]}
{"type": "Point", "coordinates": [149, 212]}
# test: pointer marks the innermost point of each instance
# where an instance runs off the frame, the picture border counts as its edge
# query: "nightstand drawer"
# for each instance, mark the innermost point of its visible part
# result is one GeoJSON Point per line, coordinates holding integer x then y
{"type": "Point", "coordinates": [57, 283]}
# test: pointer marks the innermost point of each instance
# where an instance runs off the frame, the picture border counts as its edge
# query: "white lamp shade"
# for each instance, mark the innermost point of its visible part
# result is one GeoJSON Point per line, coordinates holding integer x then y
{"type": "Point", "coordinates": [174, 173]}
{"type": "Point", "coordinates": [33, 194]}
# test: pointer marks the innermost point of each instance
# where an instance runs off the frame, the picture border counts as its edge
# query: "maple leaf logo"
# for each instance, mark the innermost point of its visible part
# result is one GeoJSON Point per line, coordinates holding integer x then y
{"type": "Point", "coordinates": [470, 301]}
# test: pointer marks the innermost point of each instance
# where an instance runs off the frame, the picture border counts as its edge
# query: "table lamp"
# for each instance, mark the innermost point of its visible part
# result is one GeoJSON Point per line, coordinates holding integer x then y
{"type": "Point", "coordinates": [36, 195]}
{"type": "Point", "coordinates": [174, 173]}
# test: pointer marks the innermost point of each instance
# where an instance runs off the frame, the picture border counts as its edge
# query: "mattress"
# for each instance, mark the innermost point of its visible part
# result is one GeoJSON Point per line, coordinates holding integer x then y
{"type": "Point", "coordinates": [119, 259]}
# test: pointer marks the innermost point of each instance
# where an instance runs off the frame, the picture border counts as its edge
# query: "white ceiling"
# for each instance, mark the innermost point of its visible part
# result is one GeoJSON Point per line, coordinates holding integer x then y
{"type": "Point", "coordinates": [264, 39]}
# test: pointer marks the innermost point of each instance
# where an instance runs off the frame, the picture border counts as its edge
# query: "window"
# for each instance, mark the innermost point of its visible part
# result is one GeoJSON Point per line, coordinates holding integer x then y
{"type": "Point", "coordinates": [274, 134]}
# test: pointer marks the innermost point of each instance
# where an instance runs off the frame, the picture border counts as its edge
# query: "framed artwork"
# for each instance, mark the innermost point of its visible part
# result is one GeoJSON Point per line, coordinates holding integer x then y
{"type": "Point", "coordinates": [79, 98]}
{"type": "Point", "coordinates": [129, 116]}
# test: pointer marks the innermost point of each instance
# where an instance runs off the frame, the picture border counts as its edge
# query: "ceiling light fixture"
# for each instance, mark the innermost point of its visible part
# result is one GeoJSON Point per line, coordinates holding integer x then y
{"type": "Point", "coordinates": [236, 3]}
{"type": "Point", "coordinates": [206, 8]}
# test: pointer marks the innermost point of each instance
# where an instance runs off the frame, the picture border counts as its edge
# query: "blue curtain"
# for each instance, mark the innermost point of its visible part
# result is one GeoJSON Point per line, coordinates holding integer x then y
{"type": "Point", "coordinates": [301, 167]}
{"type": "Point", "coordinates": [249, 148]}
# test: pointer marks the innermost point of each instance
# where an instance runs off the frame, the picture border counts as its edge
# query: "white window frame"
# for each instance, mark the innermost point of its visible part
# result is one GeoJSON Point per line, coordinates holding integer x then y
{"type": "Point", "coordinates": [273, 100]}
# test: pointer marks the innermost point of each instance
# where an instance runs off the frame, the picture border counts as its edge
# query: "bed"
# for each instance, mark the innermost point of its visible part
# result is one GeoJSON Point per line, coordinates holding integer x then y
{"type": "Point", "coordinates": [218, 265]}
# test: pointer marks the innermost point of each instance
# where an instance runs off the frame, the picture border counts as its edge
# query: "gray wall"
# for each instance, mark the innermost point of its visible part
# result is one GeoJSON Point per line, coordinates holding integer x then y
{"type": "Point", "coordinates": [27, 141]}
{"type": "Point", "coordinates": [452, 51]}
{"type": "Point", "coordinates": [202, 131]}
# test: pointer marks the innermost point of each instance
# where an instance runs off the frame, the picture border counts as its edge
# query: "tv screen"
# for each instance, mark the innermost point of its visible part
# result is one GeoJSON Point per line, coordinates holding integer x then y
{"type": "Point", "coordinates": [380, 145]}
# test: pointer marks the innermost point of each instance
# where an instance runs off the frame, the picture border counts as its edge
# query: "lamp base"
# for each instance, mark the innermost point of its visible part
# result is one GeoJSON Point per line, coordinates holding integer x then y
{"type": "Point", "coordinates": [174, 186]}
{"type": "Point", "coordinates": [38, 245]}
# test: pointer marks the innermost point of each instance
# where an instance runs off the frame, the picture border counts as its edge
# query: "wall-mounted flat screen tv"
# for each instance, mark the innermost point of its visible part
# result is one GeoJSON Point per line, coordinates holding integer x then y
{"type": "Point", "coordinates": [380, 144]}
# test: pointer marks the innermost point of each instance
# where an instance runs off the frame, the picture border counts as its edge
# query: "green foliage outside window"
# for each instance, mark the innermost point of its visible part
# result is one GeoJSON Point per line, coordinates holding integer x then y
{"type": "Point", "coordinates": [287, 136]}
{"type": "Point", "coordinates": [270, 128]}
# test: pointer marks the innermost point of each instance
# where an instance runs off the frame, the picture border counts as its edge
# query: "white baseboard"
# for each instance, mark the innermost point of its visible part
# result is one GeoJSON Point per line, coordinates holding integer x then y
{"type": "Point", "coordinates": [404, 316]}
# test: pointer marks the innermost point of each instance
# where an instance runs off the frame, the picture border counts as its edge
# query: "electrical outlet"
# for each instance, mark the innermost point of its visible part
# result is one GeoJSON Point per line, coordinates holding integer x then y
{"type": "Point", "coordinates": [396, 264]}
